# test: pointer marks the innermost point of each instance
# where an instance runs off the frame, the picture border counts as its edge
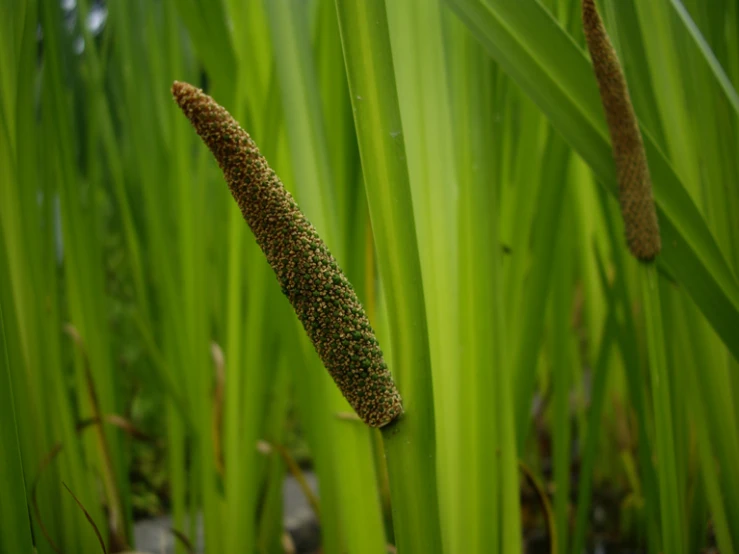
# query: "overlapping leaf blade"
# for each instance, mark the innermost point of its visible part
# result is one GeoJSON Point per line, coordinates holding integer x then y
{"type": "Point", "coordinates": [549, 66]}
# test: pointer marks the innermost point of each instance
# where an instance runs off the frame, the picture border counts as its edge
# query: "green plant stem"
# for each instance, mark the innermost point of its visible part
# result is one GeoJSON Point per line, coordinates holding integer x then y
{"type": "Point", "coordinates": [409, 443]}
{"type": "Point", "coordinates": [673, 528]}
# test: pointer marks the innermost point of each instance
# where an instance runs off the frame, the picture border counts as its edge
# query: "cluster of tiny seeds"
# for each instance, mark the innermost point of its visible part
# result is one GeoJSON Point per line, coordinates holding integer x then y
{"type": "Point", "coordinates": [321, 295]}
{"type": "Point", "coordinates": [635, 184]}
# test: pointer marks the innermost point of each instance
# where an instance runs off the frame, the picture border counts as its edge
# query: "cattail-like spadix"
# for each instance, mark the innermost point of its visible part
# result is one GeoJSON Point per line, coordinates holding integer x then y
{"type": "Point", "coordinates": [634, 182]}
{"type": "Point", "coordinates": [320, 294]}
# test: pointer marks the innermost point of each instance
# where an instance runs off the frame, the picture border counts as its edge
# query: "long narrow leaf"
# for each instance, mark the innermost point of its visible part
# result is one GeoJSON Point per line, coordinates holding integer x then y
{"type": "Point", "coordinates": [410, 444]}
{"type": "Point", "coordinates": [548, 65]}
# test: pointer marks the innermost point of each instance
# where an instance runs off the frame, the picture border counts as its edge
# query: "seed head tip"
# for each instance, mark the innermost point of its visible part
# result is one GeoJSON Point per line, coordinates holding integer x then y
{"type": "Point", "coordinates": [634, 182]}
{"type": "Point", "coordinates": [308, 274]}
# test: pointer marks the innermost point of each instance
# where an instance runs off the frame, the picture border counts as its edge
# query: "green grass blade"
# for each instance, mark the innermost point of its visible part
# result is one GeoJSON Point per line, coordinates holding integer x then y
{"type": "Point", "coordinates": [710, 403]}
{"type": "Point", "coordinates": [422, 77]}
{"type": "Point", "coordinates": [83, 269]}
{"type": "Point", "coordinates": [304, 120]}
{"type": "Point", "coordinates": [562, 378]}
{"type": "Point", "coordinates": [410, 443]}
{"type": "Point", "coordinates": [209, 30]}
{"type": "Point", "coordinates": [715, 494]}
{"type": "Point", "coordinates": [470, 483]}
{"type": "Point", "coordinates": [718, 72]}
{"type": "Point", "coordinates": [671, 509]}
{"type": "Point", "coordinates": [589, 446]}
{"type": "Point", "coordinates": [16, 536]}
{"type": "Point", "coordinates": [271, 517]}
{"type": "Point", "coordinates": [550, 202]}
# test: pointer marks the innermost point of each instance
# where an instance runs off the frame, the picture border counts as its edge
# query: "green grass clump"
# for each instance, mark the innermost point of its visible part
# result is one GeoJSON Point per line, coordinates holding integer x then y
{"type": "Point", "coordinates": [457, 160]}
{"type": "Point", "coordinates": [321, 295]}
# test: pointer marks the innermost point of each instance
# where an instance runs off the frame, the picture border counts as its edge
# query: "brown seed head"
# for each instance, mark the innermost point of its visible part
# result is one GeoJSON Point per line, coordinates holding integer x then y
{"type": "Point", "coordinates": [322, 297]}
{"type": "Point", "coordinates": [635, 185]}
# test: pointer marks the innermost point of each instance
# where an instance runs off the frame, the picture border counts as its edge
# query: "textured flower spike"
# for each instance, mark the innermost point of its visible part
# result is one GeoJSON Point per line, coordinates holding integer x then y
{"type": "Point", "coordinates": [321, 295]}
{"type": "Point", "coordinates": [634, 182]}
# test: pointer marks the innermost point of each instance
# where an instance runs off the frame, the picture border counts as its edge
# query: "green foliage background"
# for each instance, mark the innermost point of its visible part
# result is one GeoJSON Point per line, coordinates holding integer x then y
{"type": "Point", "coordinates": [455, 158]}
